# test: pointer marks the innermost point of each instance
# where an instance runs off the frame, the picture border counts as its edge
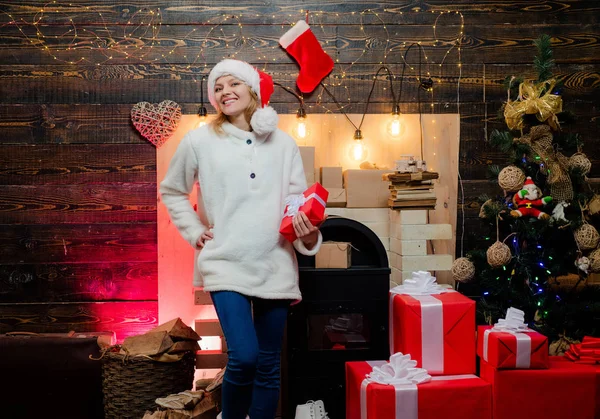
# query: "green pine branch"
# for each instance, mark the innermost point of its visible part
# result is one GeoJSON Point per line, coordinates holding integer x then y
{"type": "Point", "coordinates": [543, 61]}
{"type": "Point", "coordinates": [502, 140]}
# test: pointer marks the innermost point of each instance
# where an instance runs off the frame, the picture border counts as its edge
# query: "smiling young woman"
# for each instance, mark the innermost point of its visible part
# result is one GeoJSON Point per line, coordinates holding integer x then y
{"type": "Point", "coordinates": [246, 167]}
{"type": "Point", "coordinates": [236, 102]}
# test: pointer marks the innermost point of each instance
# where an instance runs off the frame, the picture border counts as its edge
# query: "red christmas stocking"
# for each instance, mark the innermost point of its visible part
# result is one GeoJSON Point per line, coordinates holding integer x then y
{"type": "Point", "coordinates": [314, 63]}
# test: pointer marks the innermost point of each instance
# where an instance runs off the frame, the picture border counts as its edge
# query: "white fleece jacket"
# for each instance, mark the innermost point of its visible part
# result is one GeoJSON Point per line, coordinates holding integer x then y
{"type": "Point", "coordinates": [244, 180]}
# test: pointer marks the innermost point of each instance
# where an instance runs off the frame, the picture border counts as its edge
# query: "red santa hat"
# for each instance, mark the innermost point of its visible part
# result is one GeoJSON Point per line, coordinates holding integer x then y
{"type": "Point", "coordinates": [528, 181]}
{"type": "Point", "coordinates": [264, 120]}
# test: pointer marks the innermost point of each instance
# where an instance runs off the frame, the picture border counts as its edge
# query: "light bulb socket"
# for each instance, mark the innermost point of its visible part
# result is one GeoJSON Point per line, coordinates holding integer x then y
{"type": "Point", "coordinates": [358, 135]}
{"type": "Point", "coordinates": [202, 111]}
{"type": "Point", "coordinates": [396, 110]}
{"type": "Point", "coordinates": [301, 113]}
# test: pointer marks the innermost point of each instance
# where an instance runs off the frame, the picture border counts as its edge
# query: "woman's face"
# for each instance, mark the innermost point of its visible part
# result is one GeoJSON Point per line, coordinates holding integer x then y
{"type": "Point", "coordinates": [232, 95]}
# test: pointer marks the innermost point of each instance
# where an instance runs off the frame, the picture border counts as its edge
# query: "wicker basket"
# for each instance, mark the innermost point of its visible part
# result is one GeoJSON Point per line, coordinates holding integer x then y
{"type": "Point", "coordinates": [131, 385]}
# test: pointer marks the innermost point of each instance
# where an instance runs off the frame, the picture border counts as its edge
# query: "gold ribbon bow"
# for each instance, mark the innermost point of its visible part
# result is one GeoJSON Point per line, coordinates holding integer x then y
{"type": "Point", "coordinates": [534, 99]}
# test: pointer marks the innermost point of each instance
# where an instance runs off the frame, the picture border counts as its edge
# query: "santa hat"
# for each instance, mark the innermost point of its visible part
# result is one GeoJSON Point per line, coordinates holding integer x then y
{"type": "Point", "coordinates": [528, 181]}
{"type": "Point", "coordinates": [264, 120]}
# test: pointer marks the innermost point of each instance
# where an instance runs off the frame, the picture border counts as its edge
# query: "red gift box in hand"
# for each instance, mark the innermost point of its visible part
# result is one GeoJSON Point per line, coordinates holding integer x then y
{"type": "Point", "coordinates": [312, 203]}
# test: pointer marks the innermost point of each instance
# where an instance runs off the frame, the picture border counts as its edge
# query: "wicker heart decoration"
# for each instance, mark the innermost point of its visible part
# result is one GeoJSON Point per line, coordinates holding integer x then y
{"type": "Point", "coordinates": [158, 122]}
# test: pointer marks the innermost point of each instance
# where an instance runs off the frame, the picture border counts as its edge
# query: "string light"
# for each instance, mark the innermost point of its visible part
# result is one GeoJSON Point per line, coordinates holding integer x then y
{"type": "Point", "coordinates": [139, 40]}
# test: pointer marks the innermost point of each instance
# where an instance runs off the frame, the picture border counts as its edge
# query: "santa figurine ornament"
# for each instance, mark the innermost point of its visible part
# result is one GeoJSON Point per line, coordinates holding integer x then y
{"type": "Point", "coordinates": [529, 200]}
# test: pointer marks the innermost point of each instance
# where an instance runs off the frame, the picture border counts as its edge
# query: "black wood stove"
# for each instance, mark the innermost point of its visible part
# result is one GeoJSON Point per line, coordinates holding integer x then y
{"type": "Point", "coordinates": [343, 317]}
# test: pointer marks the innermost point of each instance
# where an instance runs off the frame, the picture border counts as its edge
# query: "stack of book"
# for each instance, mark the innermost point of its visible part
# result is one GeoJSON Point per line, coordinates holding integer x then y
{"type": "Point", "coordinates": [411, 190]}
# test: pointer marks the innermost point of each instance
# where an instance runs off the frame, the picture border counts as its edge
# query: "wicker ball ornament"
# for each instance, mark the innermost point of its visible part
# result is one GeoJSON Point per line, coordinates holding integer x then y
{"type": "Point", "coordinates": [463, 270]}
{"type": "Point", "coordinates": [594, 205]}
{"type": "Point", "coordinates": [511, 179]}
{"type": "Point", "coordinates": [594, 258]}
{"type": "Point", "coordinates": [498, 255]}
{"type": "Point", "coordinates": [581, 163]}
{"type": "Point", "coordinates": [587, 237]}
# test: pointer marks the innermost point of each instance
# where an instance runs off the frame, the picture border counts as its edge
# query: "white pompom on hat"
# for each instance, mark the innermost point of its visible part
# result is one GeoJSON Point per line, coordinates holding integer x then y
{"type": "Point", "coordinates": [265, 119]}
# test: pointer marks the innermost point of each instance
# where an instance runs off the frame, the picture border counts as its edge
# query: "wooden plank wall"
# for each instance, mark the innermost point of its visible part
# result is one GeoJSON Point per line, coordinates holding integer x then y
{"type": "Point", "coordinates": [77, 195]}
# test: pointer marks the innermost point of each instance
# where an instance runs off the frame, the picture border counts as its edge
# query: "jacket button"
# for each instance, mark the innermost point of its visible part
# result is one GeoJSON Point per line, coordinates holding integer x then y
{"type": "Point", "coordinates": [248, 141]}
{"type": "Point", "coordinates": [252, 175]}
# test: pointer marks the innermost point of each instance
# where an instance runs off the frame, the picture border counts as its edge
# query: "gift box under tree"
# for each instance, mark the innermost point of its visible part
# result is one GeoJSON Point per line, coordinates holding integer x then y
{"type": "Point", "coordinates": [564, 390]}
{"type": "Point", "coordinates": [436, 326]}
{"type": "Point", "coordinates": [510, 344]}
{"type": "Point", "coordinates": [374, 393]}
{"type": "Point", "coordinates": [593, 366]}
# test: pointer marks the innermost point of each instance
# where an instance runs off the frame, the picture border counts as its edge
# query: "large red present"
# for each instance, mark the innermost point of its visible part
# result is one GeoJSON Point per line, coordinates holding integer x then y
{"type": "Point", "coordinates": [563, 390]}
{"type": "Point", "coordinates": [437, 330]}
{"type": "Point", "coordinates": [312, 202]}
{"type": "Point", "coordinates": [503, 349]}
{"type": "Point", "coordinates": [595, 368]}
{"type": "Point", "coordinates": [451, 397]}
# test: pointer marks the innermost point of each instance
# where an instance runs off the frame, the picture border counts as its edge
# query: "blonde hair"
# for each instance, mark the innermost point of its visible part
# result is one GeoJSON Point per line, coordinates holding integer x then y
{"type": "Point", "coordinates": [222, 118]}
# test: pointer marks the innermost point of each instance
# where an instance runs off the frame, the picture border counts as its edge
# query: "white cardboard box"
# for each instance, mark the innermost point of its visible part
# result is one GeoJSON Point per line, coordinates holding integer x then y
{"type": "Point", "coordinates": [421, 232]}
{"type": "Point", "coordinates": [408, 216]}
{"type": "Point", "coordinates": [382, 229]}
{"type": "Point", "coordinates": [408, 247]}
{"type": "Point", "coordinates": [424, 263]}
{"type": "Point", "coordinates": [308, 161]}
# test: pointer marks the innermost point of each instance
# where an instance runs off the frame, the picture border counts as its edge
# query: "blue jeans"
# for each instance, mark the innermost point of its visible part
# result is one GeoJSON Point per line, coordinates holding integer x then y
{"type": "Point", "coordinates": [251, 381]}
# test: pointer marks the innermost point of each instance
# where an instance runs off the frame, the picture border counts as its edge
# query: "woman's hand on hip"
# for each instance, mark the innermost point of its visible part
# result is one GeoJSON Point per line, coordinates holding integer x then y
{"type": "Point", "coordinates": [207, 235]}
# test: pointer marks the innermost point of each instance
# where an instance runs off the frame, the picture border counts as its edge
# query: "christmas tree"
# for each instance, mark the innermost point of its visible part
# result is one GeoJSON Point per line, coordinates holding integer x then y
{"type": "Point", "coordinates": [546, 246]}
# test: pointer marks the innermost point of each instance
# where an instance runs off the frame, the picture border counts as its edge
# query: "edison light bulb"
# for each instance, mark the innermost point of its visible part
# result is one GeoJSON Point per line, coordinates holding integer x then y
{"type": "Point", "coordinates": [358, 150]}
{"type": "Point", "coordinates": [394, 127]}
{"type": "Point", "coordinates": [202, 114]}
{"type": "Point", "coordinates": [202, 122]}
{"type": "Point", "coordinates": [301, 131]}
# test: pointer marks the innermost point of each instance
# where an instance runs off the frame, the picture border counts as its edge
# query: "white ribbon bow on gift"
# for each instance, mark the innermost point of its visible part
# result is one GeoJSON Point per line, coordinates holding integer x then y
{"type": "Point", "coordinates": [399, 370]}
{"type": "Point", "coordinates": [401, 373]}
{"type": "Point", "coordinates": [514, 323]}
{"type": "Point", "coordinates": [421, 283]}
{"type": "Point", "coordinates": [294, 202]}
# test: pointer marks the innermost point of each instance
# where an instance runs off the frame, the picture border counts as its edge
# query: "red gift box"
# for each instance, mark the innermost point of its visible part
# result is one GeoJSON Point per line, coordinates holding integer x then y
{"type": "Point", "coordinates": [505, 350]}
{"type": "Point", "coordinates": [564, 390]}
{"type": "Point", "coordinates": [451, 397]}
{"type": "Point", "coordinates": [596, 369]}
{"type": "Point", "coordinates": [438, 331]}
{"type": "Point", "coordinates": [315, 199]}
